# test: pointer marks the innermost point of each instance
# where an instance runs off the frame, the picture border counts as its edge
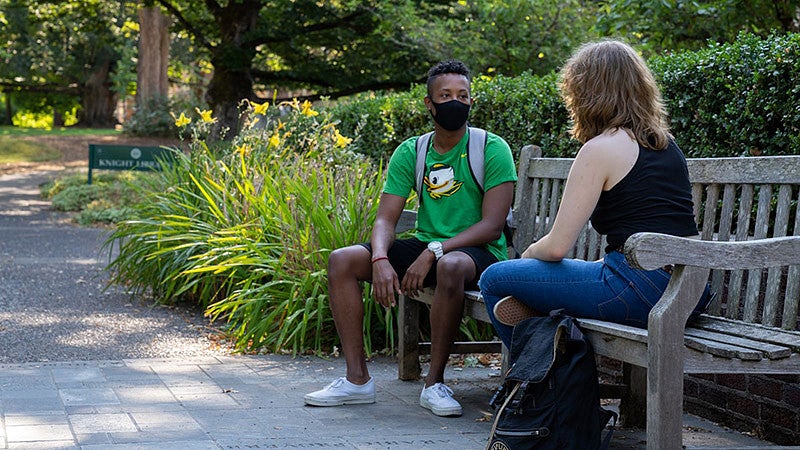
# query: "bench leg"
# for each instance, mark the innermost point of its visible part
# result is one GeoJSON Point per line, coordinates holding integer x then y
{"type": "Point", "coordinates": [665, 398]}
{"type": "Point", "coordinates": [665, 356]}
{"type": "Point", "coordinates": [633, 405]}
{"type": "Point", "coordinates": [408, 338]}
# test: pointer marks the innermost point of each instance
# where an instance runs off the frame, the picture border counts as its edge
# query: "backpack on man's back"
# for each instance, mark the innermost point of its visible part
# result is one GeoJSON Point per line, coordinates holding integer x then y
{"type": "Point", "coordinates": [476, 152]}
{"type": "Point", "coordinates": [550, 398]}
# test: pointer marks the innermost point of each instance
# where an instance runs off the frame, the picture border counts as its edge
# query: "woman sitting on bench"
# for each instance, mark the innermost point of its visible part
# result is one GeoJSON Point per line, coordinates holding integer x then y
{"type": "Point", "coordinates": [629, 177]}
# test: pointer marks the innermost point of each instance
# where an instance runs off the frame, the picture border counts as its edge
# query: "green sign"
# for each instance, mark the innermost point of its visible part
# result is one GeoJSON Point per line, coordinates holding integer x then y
{"type": "Point", "coordinates": [127, 157]}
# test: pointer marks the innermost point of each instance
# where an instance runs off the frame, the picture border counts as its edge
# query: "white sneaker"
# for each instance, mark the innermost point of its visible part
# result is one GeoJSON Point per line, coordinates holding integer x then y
{"type": "Point", "coordinates": [439, 399]}
{"type": "Point", "coordinates": [342, 392]}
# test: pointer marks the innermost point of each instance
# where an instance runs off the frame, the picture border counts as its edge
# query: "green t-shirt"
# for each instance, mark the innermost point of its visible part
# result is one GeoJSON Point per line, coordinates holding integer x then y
{"type": "Point", "coordinates": [451, 199]}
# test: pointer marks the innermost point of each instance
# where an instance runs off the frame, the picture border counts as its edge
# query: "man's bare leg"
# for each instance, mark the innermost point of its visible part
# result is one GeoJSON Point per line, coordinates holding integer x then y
{"type": "Point", "coordinates": [346, 267]}
{"type": "Point", "coordinates": [453, 271]}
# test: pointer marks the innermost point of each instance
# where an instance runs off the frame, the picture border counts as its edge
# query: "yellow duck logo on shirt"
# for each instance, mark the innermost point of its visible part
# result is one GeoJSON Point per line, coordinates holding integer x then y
{"type": "Point", "coordinates": [441, 181]}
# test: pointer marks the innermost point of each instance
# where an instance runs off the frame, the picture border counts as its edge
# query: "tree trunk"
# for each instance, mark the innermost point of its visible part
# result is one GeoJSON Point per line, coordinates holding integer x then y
{"type": "Point", "coordinates": [151, 73]}
{"type": "Point", "coordinates": [232, 59]}
{"type": "Point", "coordinates": [225, 91]}
{"type": "Point", "coordinates": [97, 99]}
{"type": "Point", "coordinates": [7, 120]}
{"type": "Point", "coordinates": [58, 118]}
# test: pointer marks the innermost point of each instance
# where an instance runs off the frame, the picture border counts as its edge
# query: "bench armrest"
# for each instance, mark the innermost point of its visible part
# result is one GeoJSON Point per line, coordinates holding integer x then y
{"type": "Point", "coordinates": [653, 250]}
{"type": "Point", "coordinates": [693, 260]}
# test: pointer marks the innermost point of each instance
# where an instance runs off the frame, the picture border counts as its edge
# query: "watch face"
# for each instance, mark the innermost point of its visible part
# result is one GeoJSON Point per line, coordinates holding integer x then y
{"type": "Point", "coordinates": [436, 248]}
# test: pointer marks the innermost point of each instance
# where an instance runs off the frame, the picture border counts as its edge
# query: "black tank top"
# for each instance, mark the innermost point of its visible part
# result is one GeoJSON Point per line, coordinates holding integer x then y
{"type": "Point", "coordinates": [654, 196]}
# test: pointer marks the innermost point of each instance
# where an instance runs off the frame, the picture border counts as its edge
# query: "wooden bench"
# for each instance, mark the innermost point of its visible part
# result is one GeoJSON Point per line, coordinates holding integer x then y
{"type": "Point", "coordinates": [745, 208]}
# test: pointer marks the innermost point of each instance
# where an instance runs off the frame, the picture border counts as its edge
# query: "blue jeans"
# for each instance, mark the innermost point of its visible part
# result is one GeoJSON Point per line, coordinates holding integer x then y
{"type": "Point", "coordinates": [609, 290]}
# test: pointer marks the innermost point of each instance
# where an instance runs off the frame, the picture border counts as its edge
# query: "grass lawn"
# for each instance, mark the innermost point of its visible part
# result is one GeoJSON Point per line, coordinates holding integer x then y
{"type": "Point", "coordinates": [15, 150]}
{"type": "Point", "coordinates": [63, 131]}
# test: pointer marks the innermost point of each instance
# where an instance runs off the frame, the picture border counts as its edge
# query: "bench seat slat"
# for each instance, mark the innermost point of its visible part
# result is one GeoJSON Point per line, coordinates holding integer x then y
{"type": "Point", "coordinates": [638, 335]}
{"type": "Point", "coordinates": [770, 351]}
{"type": "Point", "coordinates": [722, 349]}
{"type": "Point", "coordinates": [614, 329]}
{"type": "Point", "coordinates": [786, 338]}
{"type": "Point", "coordinates": [473, 303]}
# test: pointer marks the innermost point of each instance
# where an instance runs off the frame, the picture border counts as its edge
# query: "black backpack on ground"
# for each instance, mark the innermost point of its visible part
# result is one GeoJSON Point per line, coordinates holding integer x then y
{"type": "Point", "coordinates": [550, 398]}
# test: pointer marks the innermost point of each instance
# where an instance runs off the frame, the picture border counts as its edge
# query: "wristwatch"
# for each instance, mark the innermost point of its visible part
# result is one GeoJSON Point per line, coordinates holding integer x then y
{"type": "Point", "coordinates": [436, 248]}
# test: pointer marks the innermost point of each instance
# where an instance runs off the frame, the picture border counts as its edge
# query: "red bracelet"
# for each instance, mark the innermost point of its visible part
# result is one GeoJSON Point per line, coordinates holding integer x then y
{"type": "Point", "coordinates": [379, 258]}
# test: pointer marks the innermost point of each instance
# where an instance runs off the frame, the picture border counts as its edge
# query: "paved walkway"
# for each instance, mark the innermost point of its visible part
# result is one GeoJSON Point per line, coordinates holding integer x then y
{"type": "Point", "coordinates": [234, 402]}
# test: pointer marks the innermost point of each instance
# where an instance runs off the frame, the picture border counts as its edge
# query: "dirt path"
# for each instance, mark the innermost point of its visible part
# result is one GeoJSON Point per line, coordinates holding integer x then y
{"type": "Point", "coordinates": [75, 150]}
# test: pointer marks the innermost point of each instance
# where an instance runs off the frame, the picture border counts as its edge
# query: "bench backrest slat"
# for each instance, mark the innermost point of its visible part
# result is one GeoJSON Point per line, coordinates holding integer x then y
{"type": "Point", "coordinates": [734, 199]}
{"type": "Point", "coordinates": [768, 170]}
{"type": "Point", "coordinates": [790, 305]}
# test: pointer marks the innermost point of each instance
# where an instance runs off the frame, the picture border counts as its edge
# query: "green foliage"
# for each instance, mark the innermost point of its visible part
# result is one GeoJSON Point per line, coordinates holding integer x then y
{"type": "Point", "coordinates": [17, 150]}
{"type": "Point", "coordinates": [673, 25]}
{"type": "Point", "coordinates": [735, 99]}
{"type": "Point", "coordinates": [509, 37]}
{"type": "Point", "coordinates": [523, 110]}
{"type": "Point", "coordinates": [725, 100]}
{"type": "Point", "coordinates": [60, 131]}
{"type": "Point", "coordinates": [152, 118]}
{"type": "Point", "coordinates": [54, 49]}
{"type": "Point", "coordinates": [246, 232]}
{"type": "Point", "coordinates": [108, 200]}
{"type": "Point", "coordinates": [74, 198]}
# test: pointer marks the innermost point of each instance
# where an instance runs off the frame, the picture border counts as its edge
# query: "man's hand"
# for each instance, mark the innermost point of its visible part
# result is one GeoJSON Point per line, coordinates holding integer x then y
{"type": "Point", "coordinates": [416, 273]}
{"type": "Point", "coordinates": [384, 283]}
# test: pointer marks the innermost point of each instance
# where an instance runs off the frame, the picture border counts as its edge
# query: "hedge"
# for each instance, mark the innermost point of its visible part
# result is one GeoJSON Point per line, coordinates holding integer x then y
{"type": "Point", "coordinates": [734, 99]}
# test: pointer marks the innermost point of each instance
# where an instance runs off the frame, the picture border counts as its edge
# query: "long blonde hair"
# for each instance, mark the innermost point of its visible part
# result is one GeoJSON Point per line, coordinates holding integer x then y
{"type": "Point", "coordinates": [607, 85]}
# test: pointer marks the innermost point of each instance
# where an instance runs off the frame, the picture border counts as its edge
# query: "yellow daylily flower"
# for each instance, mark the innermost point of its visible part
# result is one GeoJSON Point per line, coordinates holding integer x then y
{"type": "Point", "coordinates": [340, 140]}
{"type": "Point", "coordinates": [260, 108]}
{"type": "Point", "coordinates": [280, 125]}
{"type": "Point", "coordinates": [182, 120]}
{"type": "Point", "coordinates": [295, 103]}
{"type": "Point", "coordinates": [275, 140]}
{"type": "Point", "coordinates": [206, 115]}
{"type": "Point", "coordinates": [306, 109]}
{"type": "Point", "coordinates": [243, 149]}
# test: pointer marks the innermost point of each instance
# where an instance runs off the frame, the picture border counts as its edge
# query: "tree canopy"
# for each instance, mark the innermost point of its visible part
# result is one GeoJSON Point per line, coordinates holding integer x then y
{"type": "Point", "coordinates": [63, 52]}
{"type": "Point", "coordinates": [58, 53]}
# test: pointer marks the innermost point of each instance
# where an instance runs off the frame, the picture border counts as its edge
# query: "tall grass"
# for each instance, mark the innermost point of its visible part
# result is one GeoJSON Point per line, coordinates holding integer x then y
{"type": "Point", "coordinates": [245, 232]}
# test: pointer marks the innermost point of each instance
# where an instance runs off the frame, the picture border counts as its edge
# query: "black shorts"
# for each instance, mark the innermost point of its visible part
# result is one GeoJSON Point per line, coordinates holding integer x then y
{"type": "Point", "coordinates": [404, 252]}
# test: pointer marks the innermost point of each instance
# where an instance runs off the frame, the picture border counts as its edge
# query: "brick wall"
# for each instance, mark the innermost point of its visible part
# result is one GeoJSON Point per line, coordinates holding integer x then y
{"type": "Point", "coordinates": [766, 405]}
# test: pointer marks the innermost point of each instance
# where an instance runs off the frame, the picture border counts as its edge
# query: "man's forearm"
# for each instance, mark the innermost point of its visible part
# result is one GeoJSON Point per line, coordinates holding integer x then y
{"type": "Point", "coordinates": [382, 238]}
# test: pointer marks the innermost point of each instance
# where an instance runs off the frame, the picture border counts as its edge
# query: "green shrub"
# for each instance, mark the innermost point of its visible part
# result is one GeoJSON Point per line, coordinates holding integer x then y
{"type": "Point", "coordinates": [523, 110]}
{"type": "Point", "coordinates": [733, 99]}
{"type": "Point", "coordinates": [105, 201]}
{"type": "Point", "coordinates": [75, 198]}
{"type": "Point", "coordinates": [152, 119]}
{"type": "Point", "coordinates": [246, 233]}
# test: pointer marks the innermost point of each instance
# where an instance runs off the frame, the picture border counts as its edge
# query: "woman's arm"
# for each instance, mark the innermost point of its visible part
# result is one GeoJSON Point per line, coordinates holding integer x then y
{"type": "Point", "coordinates": [600, 163]}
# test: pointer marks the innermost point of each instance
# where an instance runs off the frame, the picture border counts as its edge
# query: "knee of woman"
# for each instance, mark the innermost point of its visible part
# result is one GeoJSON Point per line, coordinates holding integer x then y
{"type": "Point", "coordinates": [488, 277]}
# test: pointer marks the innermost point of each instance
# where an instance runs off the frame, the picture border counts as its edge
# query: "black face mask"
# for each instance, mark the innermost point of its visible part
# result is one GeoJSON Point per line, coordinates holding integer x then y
{"type": "Point", "coordinates": [451, 115]}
